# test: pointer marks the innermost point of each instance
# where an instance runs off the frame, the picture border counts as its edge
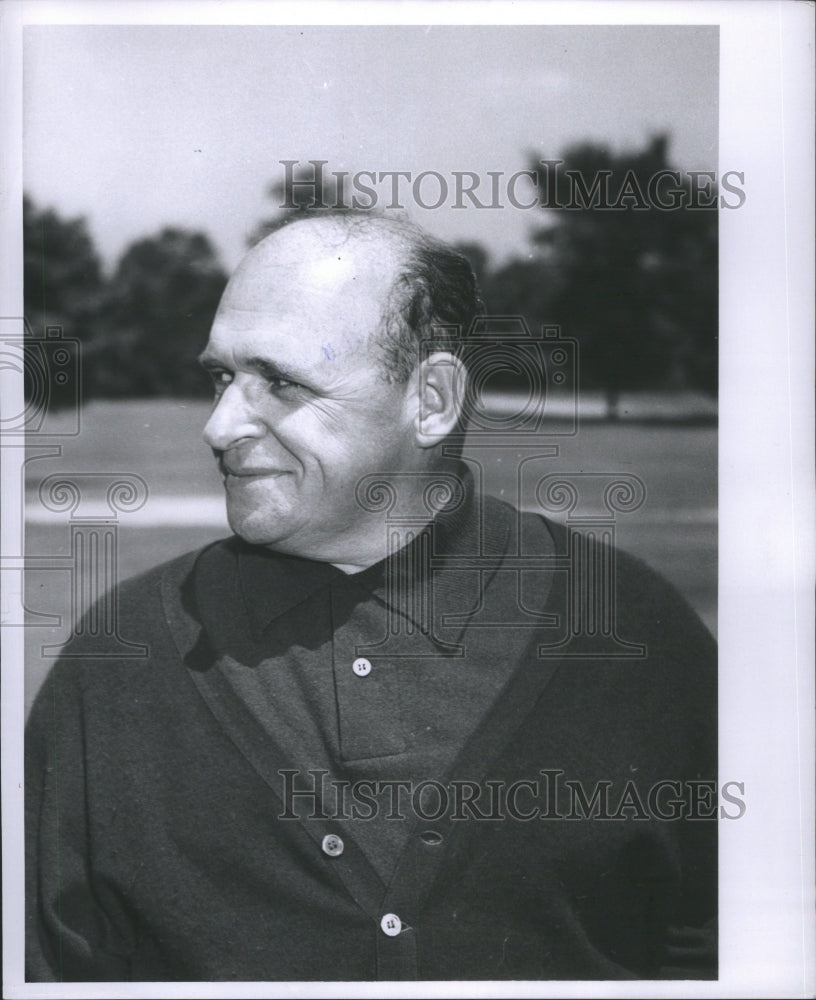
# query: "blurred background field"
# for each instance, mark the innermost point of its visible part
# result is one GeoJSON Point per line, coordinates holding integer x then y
{"type": "Point", "coordinates": [675, 530]}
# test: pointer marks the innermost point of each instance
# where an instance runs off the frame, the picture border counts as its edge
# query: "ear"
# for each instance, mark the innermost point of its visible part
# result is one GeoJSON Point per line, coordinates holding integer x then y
{"type": "Point", "coordinates": [441, 385]}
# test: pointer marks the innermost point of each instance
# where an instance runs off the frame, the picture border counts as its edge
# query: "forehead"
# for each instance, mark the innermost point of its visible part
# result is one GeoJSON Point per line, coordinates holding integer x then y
{"type": "Point", "coordinates": [322, 302]}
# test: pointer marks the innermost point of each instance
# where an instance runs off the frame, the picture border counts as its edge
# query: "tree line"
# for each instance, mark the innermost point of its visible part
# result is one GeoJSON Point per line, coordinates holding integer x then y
{"type": "Point", "coordinates": [635, 286]}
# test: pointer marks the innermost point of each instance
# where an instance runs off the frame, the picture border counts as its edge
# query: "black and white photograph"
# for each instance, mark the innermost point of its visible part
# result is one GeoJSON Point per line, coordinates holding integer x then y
{"type": "Point", "coordinates": [407, 441]}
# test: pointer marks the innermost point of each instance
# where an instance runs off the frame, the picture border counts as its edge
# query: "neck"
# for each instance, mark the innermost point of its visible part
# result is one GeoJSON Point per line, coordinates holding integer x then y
{"type": "Point", "coordinates": [391, 534]}
{"type": "Point", "coordinates": [397, 508]}
{"type": "Point", "coordinates": [350, 569]}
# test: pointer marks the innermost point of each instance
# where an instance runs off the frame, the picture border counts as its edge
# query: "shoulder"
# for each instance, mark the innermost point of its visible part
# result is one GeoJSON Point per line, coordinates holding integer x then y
{"type": "Point", "coordinates": [618, 612]}
{"type": "Point", "coordinates": [133, 628]}
{"type": "Point", "coordinates": [172, 571]}
{"type": "Point", "coordinates": [643, 600]}
{"type": "Point", "coordinates": [150, 591]}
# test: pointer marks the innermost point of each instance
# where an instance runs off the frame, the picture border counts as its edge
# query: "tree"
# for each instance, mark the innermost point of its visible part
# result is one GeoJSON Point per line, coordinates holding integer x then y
{"type": "Point", "coordinates": [140, 329]}
{"type": "Point", "coordinates": [159, 306]}
{"type": "Point", "coordinates": [636, 283]}
{"type": "Point", "coordinates": [63, 283]}
{"type": "Point", "coordinates": [62, 274]}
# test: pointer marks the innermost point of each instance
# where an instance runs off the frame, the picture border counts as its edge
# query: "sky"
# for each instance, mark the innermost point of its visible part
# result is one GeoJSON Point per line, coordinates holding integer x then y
{"type": "Point", "coordinates": [138, 127]}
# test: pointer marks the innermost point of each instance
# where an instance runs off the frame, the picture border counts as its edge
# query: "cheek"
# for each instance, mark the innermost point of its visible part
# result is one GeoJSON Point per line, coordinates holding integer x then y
{"type": "Point", "coordinates": [342, 441]}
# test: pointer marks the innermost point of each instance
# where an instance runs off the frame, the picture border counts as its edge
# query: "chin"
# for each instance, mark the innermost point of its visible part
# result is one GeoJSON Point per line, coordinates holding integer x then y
{"type": "Point", "coordinates": [259, 513]}
{"type": "Point", "coordinates": [259, 529]}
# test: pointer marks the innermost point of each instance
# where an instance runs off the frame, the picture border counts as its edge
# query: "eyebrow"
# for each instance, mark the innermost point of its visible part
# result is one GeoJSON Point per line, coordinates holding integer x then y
{"type": "Point", "coordinates": [263, 366]}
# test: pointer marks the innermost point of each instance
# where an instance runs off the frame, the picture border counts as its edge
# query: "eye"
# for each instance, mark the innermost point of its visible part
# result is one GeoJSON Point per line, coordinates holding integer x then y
{"type": "Point", "coordinates": [220, 378]}
{"type": "Point", "coordinates": [277, 382]}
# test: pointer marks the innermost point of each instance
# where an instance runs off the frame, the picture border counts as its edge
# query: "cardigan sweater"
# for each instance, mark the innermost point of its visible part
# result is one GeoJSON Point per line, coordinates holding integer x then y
{"type": "Point", "coordinates": [578, 839]}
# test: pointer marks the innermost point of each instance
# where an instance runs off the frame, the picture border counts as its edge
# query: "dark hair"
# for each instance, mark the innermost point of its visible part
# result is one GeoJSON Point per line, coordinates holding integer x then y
{"type": "Point", "coordinates": [434, 301]}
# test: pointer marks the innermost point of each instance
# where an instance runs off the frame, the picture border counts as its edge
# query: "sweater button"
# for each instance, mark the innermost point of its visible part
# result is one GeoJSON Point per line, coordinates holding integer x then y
{"type": "Point", "coordinates": [361, 666]}
{"type": "Point", "coordinates": [431, 837]}
{"type": "Point", "coordinates": [332, 845]}
{"type": "Point", "coordinates": [391, 924]}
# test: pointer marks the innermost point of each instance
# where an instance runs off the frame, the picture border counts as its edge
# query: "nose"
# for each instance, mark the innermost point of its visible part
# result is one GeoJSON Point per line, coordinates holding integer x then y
{"type": "Point", "coordinates": [233, 419]}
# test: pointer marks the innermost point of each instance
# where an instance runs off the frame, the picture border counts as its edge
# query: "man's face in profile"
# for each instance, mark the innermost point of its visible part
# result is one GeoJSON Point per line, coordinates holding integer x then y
{"type": "Point", "coordinates": [302, 408]}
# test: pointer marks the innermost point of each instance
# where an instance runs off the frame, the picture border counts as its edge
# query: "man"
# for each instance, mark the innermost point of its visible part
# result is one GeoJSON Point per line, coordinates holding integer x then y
{"type": "Point", "coordinates": [365, 743]}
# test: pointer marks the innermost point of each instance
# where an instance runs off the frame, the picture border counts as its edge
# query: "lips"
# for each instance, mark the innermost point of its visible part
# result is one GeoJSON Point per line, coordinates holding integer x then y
{"type": "Point", "coordinates": [251, 473]}
{"type": "Point", "coordinates": [239, 471]}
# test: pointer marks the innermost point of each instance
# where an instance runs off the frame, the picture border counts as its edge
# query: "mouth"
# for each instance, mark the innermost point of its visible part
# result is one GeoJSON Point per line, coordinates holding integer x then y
{"type": "Point", "coordinates": [229, 471]}
{"type": "Point", "coordinates": [252, 473]}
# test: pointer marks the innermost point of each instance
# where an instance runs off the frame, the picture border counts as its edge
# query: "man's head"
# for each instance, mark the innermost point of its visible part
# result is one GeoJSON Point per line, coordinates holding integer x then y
{"type": "Point", "coordinates": [314, 353]}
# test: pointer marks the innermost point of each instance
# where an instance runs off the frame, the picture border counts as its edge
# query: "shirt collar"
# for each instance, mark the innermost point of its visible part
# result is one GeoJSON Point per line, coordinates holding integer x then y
{"type": "Point", "coordinates": [272, 583]}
